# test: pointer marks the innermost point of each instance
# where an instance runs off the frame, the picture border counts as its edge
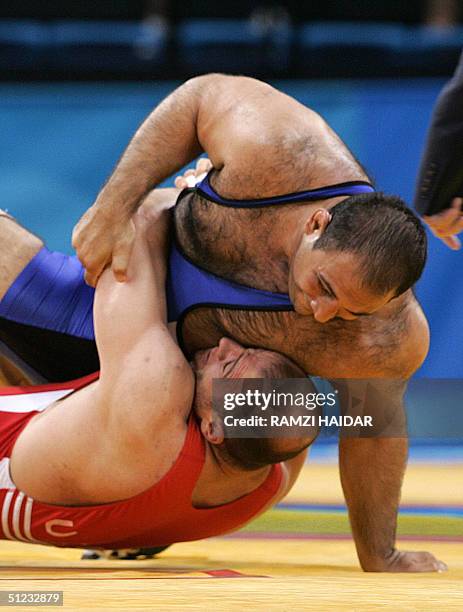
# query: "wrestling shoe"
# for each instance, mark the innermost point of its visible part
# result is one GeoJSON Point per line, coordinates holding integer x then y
{"type": "Point", "coordinates": [124, 554]}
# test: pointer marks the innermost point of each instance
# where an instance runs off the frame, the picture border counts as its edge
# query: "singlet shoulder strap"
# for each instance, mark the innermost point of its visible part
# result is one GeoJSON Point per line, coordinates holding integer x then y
{"type": "Point", "coordinates": [205, 189]}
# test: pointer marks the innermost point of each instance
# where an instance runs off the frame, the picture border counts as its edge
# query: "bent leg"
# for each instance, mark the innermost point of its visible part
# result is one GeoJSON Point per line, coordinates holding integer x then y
{"type": "Point", "coordinates": [17, 248]}
{"type": "Point", "coordinates": [46, 317]}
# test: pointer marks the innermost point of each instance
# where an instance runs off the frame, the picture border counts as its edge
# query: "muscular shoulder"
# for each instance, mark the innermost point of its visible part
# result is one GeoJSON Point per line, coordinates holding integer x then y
{"type": "Point", "coordinates": [265, 142]}
{"type": "Point", "coordinates": [155, 389]}
{"type": "Point", "coordinates": [244, 123]}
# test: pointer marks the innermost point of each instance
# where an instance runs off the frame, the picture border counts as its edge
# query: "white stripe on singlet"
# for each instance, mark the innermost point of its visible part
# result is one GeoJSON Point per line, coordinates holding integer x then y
{"type": "Point", "coordinates": [28, 402]}
{"type": "Point", "coordinates": [5, 514]}
{"type": "Point", "coordinates": [5, 479]}
{"type": "Point", "coordinates": [16, 514]}
{"type": "Point", "coordinates": [28, 521]}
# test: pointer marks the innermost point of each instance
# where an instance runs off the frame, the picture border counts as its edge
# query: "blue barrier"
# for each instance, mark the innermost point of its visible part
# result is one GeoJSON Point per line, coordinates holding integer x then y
{"type": "Point", "coordinates": [227, 45]}
{"type": "Point", "coordinates": [107, 46]}
{"type": "Point", "coordinates": [254, 45]}
{"type": "Point", "coordinates": [22, 45]}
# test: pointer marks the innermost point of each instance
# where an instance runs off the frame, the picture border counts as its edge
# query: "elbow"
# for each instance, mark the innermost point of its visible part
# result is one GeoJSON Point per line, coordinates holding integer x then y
{"type": "Point", "coordinates": [212, 84]}
{"type": "Point", "coordinates": [199, 84]}
{"type": "Point", "coordinates": [202, 80]}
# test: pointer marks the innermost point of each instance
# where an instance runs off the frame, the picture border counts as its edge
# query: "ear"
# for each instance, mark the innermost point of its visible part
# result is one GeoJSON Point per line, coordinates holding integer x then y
{"type": "Point", "coordinates": [212, 430]}
{"type": "Point", "coordinates": [317, 222]}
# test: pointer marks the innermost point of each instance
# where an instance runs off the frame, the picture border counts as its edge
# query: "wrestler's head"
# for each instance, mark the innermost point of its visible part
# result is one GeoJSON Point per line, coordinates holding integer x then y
{"type": "Point", "coordinates": [354, 258]}
{"type": "Point", "coordinates": [231, 360]}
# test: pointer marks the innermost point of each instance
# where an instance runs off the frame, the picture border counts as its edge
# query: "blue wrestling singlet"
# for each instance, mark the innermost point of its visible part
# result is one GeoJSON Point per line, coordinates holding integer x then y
{"type": "Point", "coordinates": [351, 188]}
{"type": "Point", "coordinates": [46, 315]}
{"type": "Point", "coordinates": [190, 286]}
{"type": "Point", "coordinates": [46, 319]}
{"type": "Point", "coordinates": [50, 293]}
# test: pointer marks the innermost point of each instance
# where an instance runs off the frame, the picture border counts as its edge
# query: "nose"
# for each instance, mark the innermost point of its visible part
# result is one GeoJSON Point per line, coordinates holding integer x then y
{"type": "Point", "coordinates": [228, 347]}
{"type": "Point", "coordinates": [324, 309]}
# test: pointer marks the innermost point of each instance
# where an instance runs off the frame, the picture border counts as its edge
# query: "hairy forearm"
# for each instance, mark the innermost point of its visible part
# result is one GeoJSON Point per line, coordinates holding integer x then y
{"type": "Point", "coordinates": [166, 141]}
{"type": "Point", "coordinates": [372, 471]}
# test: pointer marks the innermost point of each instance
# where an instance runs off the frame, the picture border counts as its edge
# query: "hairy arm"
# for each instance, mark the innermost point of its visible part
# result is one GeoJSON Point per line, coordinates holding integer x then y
{"type": "Point", "coordinates": [372, 470]}
{"type": "Point", "coordinates": [231, 118]}
{"type": "Point", "coordinates": [213, 113]}
{"type": "Point", "coordinates": [372, 467]}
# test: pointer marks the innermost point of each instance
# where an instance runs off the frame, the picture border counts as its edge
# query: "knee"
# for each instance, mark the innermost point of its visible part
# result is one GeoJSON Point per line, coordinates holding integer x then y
{"type": "Point", "coordinates": [17, 247]}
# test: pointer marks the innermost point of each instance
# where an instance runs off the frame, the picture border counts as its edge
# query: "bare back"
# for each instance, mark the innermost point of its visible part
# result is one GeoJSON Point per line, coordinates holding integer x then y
{"type": "Point", "coordinates": [280, 146]}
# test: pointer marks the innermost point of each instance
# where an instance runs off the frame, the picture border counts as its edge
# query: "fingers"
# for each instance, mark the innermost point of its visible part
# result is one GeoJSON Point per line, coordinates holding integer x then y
{"type": "Point", "coordinates": [452, 242]}
{"type": "Point", "coordinates": [91, 279]}
{"type": "Point", "coordinates": [444, 220]}
{"type": "Point", "coordinates": [441, 566]}
{"type": "Point", "coordinates": [446, 224]}
{"type": "Point", "coordinates": [191, 181]}
{"type": "Point", "coordinates": [121, 255]}
{"type": "Point", "coordinates": [93, 268]}
{"type": "Point", "coordinates": [203, 166]}
{"type": "Point", "coordinates": [180, 182]}
{"type": "Point", "coordinates": [192, 176]}
{"type": "Point", "coordinates": [419, 561]}
{"type": "Point", "coordinates": [426, 562]}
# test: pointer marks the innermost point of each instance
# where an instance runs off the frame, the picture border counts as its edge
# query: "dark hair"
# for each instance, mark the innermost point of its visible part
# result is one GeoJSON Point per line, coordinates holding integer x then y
{"type": "Point", "coordinates": [387, 235]}
{"type": "Point", "coordinates": [254, 453]}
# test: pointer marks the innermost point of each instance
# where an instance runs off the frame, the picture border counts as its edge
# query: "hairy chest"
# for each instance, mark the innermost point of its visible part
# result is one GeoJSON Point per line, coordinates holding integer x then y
{"type": "Point", "coordinates": [338, 349]}
{"type": "Point", "coordinates": [232, 243]}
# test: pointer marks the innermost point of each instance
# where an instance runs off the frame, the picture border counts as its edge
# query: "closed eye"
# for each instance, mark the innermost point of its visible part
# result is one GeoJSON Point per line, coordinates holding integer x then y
{"type": "Point", "coordinates": [228, 367]}
{"type": "Point", "coordinates": [324, 287]}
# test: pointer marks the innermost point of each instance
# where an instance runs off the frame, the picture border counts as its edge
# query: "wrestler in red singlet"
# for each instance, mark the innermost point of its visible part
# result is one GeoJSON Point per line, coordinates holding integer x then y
{"type": "Point", "coordinates": [136, 457]}
{"type": "Point", "coordinates": [161, 515]}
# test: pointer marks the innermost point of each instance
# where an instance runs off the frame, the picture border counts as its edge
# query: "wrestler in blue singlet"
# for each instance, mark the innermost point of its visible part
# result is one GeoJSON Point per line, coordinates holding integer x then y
{"type": "Point", "coordinates": [46, 315]}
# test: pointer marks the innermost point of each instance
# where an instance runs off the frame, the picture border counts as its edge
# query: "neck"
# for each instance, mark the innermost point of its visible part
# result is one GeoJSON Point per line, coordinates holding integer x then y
{"type": "Point", "coordinates": [222, 482]}
{"type": "Point", "coordinates": [285, 242]}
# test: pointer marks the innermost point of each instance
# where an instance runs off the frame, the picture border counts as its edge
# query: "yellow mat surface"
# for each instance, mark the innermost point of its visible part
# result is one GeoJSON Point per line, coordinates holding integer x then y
{"type": "Point", "coordinates": [253, 574]}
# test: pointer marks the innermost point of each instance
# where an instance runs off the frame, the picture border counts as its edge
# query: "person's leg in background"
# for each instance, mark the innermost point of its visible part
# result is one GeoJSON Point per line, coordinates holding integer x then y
{"type": "Point", "coordinates": [17, 248]}
{"type": "Point", "coordinates": [46, 323]}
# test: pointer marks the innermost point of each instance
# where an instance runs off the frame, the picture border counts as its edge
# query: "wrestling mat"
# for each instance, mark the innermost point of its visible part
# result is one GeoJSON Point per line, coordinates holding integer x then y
{"type": "Point", "coordinates": [299, 556]}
